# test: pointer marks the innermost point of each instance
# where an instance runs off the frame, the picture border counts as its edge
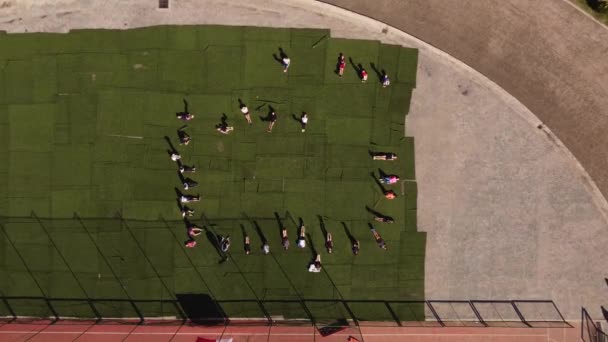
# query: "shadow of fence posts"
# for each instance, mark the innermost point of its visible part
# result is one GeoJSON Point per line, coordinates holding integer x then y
{"type": "Point", "coordinates": [107, 262]}
{"type": "Point", "coordinates": [84, 291]}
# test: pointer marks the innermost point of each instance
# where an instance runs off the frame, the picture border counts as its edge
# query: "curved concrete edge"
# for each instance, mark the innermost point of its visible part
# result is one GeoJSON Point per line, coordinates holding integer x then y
{"type": "Point", "coordinates": [589, 16]}
{"type": "Point", "coordinates": [535, 123]}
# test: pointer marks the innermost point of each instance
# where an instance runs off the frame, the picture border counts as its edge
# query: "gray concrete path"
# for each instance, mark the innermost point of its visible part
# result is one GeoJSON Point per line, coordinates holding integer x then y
{"type": "Point", "coordinates": [510, 214]}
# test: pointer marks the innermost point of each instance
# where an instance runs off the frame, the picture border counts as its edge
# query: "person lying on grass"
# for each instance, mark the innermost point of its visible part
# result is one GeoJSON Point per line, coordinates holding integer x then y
{"type": "Point", "coordinates": [225, 243]}
{"type": "Point", "coordinates": [390, 194]}
{"type": "Point", "coordinates": [185, 168]}
{"type": "Point", "coordinates": [389, 179]}
{"type": "Point", "coordinates": [189, 183]}
{"type": "Point", "coordinates": [356, 247]}
{"type": "Point", "coordinates": [315, 266]}
{"type": "Point", "coordinates": [247, 245]}
{"type": "Point", "coordinates": [184, 116]}
{"type": "Point", "coordinates": [379, 239]}
{"type": "Point", "coordinates": [302, 238]}
{"type": "Point", "coordinates": [184, 138]}
{"type": "Point", "coordinates": [191, 243]}
{"type": "Point", "coordinates": [189, 198]}
{"type": "Point", "coordinates": [187, 212]}
{"type": "Point", "coordinates": [383, 219]}
{"type": "Point", "coordinates": [384, 156]}
{"type": "Point", "coordinates": [194, 230]}
{"type": "Point", "coordinates": [284, 239]}
{"type": "Point", "coordinates": [329, 243]}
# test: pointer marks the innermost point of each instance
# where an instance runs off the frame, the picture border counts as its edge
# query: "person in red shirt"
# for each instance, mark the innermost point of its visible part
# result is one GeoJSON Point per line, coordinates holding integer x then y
{"type": "Point", "coordinates": [363, 75]}
{"type": "Point", "coordinates": [390, 194]}
{"type": "Point", "coordinates": [190, 243]}
{"type": "Point", "coordinates": [341, 64]}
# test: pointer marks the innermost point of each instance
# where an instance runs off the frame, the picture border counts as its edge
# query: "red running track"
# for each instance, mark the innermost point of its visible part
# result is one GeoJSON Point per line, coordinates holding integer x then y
{"type": "Point", "coordinates": [42, 331]}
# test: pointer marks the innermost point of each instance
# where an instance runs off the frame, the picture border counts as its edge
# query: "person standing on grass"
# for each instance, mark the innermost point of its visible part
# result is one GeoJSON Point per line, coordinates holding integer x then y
{"type": "Point", "coordinates": [247, 245]}
{"type": "Point", "coordinates": [385, 80]}
{"type": "Point", "coordinates": [284, 239]}
{"type": "Point", "coordinates": [191, 243]}
{"type": "Point", "coordinates": [379, 239]}
{"type": "Point", "coordinates": [363, 75]}
{"type": "Point", "coordinates": [175, 156]}
{"type": "Point", "coordinates": [245, 112]}
{"type": "Point", "coordinates": [341, 64]}
{"type": "Point", "coordinates": [329, 243]}
{"type": "Point", "coordinates": [272, 118]}
{"type": "Point", "coordinates": [304, 121]}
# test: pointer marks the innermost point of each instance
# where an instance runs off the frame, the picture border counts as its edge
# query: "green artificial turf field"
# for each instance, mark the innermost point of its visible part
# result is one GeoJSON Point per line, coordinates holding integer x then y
{"type": "Point", "coordinates": [88, 191]}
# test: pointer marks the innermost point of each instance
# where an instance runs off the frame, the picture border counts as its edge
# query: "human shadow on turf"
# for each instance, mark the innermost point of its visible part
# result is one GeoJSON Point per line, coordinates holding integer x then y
{"type": "Point", "coordinates": [214, 240]}
{"type": "Point", "coordinates": [378, 72]}
{"type": "Point", "coordinates": [322, 225]}
{"type": "Point", "coordinates": [268, 115]}
{"type": "Point", "coordinates": [258, 230]}
{"type": "Point", "coordinates": [348, 233]}
{"type": "Point", "coordinates": [380, 185]}
{"type": "Point", "coordinates": [356, 67]}
{"type": "Point", "coordinates": [378, 214]}
{"type": "Point", "coordinates": [223, 122]}
{"type": "Point", "coordinates": [179, 114]}
{"type": "Point", "coordinates": [280, 57]}
{"type": "Point", "coordinates": [172, 148]}
{"type": "Point", "coordinates": [280, 224]}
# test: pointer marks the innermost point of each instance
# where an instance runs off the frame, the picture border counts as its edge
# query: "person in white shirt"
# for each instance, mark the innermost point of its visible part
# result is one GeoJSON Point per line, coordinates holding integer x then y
{"type": "Point", "coordinates": [302, 237]}
{"type": "Point", "coordinates": [304, 121]}
{"type": "Point", "coordinates": [266, 248]}
{"type": "Point", "coordinates": [286, 61]}
{"type": "Point", "coordinates": [245, 112]}
{"type": "Point", "coordinates": [315, 267]}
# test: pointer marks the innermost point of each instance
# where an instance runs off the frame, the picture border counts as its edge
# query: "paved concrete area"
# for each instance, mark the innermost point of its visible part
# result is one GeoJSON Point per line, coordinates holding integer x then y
{"type": "Point", "coordinates": [509, 213]}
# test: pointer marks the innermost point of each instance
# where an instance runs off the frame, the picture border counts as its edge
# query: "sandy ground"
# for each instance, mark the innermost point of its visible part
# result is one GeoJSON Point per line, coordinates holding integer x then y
{"type": "Point", "coordinates": [510, 214]}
